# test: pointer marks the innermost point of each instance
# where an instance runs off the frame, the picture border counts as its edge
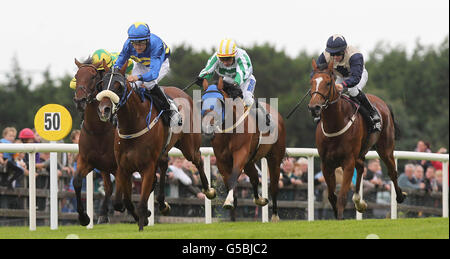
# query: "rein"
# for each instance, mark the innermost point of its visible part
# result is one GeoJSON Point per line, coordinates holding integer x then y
{"type": "Point", "coordinates": [90, 97]}
{"type": "Point", "coordinates": [327, 98]}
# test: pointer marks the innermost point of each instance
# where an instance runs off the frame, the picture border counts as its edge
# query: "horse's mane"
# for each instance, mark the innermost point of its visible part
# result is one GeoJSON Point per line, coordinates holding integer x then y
{"type": "Point", "coordinates": [87, 61]}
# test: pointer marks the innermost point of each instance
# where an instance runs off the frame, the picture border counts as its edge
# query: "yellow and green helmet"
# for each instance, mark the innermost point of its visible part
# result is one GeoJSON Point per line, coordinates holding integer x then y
{"type": "Point", "coordinates": [102, 54]}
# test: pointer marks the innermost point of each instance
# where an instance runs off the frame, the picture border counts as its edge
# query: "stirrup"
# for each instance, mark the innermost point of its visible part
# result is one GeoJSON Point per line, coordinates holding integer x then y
{"type": "Point", "coordinates": [316, 119]}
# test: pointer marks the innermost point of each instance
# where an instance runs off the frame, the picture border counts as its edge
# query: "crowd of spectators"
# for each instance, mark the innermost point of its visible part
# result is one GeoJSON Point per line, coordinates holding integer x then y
{"type": "Point", "coordinates": [183, 179]}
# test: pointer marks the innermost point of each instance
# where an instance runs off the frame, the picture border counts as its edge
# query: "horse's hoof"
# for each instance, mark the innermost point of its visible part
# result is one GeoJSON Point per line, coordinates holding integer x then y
{"type": "Point", "coordinates": [361, 208]}
{"type": "Point", "coordinates": [275, 218]}
{"type": "Point", "coordinates": [261, 201]}
{"type": "Point", "coordinates": [103, 220]}
{"type": "Point", "coordinates": [166, 210]}
{"type": "Point", "coordinates": [228, 206]}
{"type": "Point", "coordinates": [210, 193]}
{"type": "Point", "coordinates": [401, 198]}
{"type": "Point", "coordinates": [84, 219]}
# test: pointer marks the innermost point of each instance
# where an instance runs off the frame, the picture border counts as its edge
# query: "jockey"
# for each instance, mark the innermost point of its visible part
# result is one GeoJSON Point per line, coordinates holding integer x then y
{"type": "Point", "coordinates": [110, 59]}
{"type": "Point", "coordinates": [151, 57]}
{"type": "Point", "coordinates": [234, 65]}
{"type": "Point", "coordinates": [351, 75]}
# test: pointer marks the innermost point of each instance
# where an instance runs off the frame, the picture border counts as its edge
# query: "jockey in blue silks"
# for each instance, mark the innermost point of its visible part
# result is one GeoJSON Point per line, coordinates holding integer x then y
{"type": "Point", "coordinates": [151, 57]}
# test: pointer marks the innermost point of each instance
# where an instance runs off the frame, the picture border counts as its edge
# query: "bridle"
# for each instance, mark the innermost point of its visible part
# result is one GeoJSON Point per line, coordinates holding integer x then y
{"type": "Point", "coordinates": [332, 90]}
{"type": "Point", "coordinates": [90, 96]}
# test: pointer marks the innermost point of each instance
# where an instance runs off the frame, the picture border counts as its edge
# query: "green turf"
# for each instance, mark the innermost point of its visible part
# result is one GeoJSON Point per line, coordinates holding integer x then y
{"type": "Point", "coordinates": [383, 228]}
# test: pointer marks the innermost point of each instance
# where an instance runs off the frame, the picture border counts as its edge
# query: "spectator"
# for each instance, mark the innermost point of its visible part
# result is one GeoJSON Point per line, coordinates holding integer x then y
{"type": "Point", "coordinates": [191, 171]}
{"type": "Point", "coordinates": [407, 181]}
{"type": "Point", "coordinates": [375, 175]}
{"type": "Point", "coordinates": [439, 180]}
{"type": "Point", "coordinates": [301, 170]}
{"type": "Point", "coordinates": [178, 178]}
{"type": "Point", "coordinates": [418, 174]}
{"type": "Point", "coordinates": [422, 146]}
{"type": "Point", "coordinates": [17, 172]}
{"type": "Point", "coordinates": [430, 181]}
{"type": "Point", "coordinates": [437, 164]}
{"type": "Point", "coordinates": [287, 172]}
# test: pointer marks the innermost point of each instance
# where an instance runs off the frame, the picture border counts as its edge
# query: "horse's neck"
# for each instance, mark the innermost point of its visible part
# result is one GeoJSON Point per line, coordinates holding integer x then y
{"type": "Point", "coordinates": [336, 116]}
{"type": "Point", "coordinates": [132, 115]}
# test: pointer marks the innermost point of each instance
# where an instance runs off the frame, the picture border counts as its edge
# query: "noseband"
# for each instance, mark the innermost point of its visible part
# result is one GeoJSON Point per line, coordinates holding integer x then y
{"type": "Point", "coordinates": [327, 98]}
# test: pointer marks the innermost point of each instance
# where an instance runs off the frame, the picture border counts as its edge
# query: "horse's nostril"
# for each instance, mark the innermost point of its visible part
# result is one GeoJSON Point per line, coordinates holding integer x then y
{"type": "Point", "coordinates": [107, 110]}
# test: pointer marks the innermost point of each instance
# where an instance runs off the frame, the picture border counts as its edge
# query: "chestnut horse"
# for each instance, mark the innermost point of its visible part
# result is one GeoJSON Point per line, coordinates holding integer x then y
{"type": "Point", "coordinates": [238, 147]}
{"type": "Point", "coordinates": [143, 141]}
{"type": "Point", "coordinates": [96, 145]}
{"type": "Point", "coordinates": [342, 138]}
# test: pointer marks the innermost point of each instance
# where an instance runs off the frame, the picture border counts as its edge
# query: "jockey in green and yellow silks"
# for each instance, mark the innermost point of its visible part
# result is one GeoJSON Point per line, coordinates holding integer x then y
{"type": "Point", "coordinates": [110, 59]}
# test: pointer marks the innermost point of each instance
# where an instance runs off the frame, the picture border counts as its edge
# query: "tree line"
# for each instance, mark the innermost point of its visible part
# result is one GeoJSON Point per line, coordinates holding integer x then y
{"type": "Point", "coordinates": [415, 85]}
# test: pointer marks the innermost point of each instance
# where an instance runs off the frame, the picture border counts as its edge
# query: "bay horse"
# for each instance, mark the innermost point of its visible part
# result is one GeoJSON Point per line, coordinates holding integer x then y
{"type": "Point", "coordinates": [236, 150]}
{"type": "Point", "coordinates": [342, 138]}
{"type": "Point", "coordinates": [96, 144]}
{"type": "Point", "coordinates": [143, 141]}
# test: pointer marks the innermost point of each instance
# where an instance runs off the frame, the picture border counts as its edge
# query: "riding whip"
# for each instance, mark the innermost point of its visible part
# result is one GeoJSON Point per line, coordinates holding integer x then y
{"type": "Point", "coordinates": [189, 86]}
{"type": "Point", "coordinates": [298, 104]}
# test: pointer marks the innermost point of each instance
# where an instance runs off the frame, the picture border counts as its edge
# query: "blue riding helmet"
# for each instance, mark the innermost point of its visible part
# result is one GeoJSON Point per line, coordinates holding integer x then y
{"type": "Point", "coordinates": [336, 44]}
{"type": "Point", "coordinates": [139, 31]}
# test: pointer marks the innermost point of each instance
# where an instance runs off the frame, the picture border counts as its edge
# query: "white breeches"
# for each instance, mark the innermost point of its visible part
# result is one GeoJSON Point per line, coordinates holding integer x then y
{"type": "Point", "coordinates": [353, 91]}
{"type": "Point", "coordinates": [140, 69]}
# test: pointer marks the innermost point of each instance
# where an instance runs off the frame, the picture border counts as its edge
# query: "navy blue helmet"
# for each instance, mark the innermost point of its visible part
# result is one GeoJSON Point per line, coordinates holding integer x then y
{"type": "Point", "coordinates": [336, 44]}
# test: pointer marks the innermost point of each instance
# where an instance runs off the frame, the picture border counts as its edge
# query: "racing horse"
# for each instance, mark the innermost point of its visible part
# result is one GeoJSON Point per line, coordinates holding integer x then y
{"type": "Point", "coordinates": [143, 141]}
{"type": "Point", "coordinates": [239, 146]}
{"type": "Point", "coordinates": [343, 139]}
{"type": "Point", "coordinates": [96, 145]}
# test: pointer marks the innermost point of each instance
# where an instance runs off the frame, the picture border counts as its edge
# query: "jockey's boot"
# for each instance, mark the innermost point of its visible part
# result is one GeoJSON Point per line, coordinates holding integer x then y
{"type": "Point", "coordinates": [169, 106]}
{"type": "Point", "coordinates": [264, 114]}
{"type": "Point", "coordinates": [373, 113]}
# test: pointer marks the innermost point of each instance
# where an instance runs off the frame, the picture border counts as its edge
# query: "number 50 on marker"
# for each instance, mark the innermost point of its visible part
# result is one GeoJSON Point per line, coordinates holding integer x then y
{"type": "Point", "coordinates": [53, 122]}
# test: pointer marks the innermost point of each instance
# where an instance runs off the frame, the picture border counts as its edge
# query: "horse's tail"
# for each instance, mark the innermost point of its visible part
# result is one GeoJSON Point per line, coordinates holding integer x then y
{"type": "Point", "coordinates": [397, 132]}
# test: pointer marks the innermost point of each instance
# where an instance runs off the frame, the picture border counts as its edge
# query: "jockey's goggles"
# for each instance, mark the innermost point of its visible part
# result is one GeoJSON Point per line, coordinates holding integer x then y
{"type": "Point", "coordinates": [337, 54]}
{"type": "Point", "coordinates": [226, 59]}
{"type": "Point", "coordinates": [139, 42]}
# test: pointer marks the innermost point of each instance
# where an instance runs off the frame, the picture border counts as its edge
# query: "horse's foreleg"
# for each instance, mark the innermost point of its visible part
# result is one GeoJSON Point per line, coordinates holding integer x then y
{"type": "Point", "coordinates": [80, 174]}
{"type": "Point", "coordinates": [360, 204]}
{"type": "Point", "coordinates": [330, 179]}
{"type": "Point", "coordinates": [148, 178]}
{"type": "Point", "coordinates": [349, 169]}
{"type": "Point", "coordinates": [164, 207]}
{"type": "Point", "coordinates": [118, 196]}
{"type": "Point", "coordinates": [251, 171]}
{"type": "Point", "coordinates": [103, 218]}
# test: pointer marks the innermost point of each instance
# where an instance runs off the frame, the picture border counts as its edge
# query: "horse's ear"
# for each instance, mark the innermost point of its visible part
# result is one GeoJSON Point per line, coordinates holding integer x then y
{"type": "Point", "coordinates": [123, 69]}
{"type": "Point", "coordinates": [77, 63]}
{"type": "Point", "coordinates": [220, 83]}
{"type": "Point", "coordinates": [330, 65]}
{"type": "Point", "coordinates": [105, 66]}
{"type": "Point", "coordinates": [314, 64]}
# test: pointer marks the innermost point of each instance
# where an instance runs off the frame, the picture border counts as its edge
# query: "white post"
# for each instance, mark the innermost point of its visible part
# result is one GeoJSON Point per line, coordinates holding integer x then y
{"type": "Point", "coordinates": [90, 198]}
{"type": "Point", "coordinates": [445, 189]}
{"type": "Point", "coordinates": [264, 190]}
{"type": "Point", "coordinates": [32, 190]}
{"type": "Point", "coordinates": [207, 167]}
{"type": "Point", "coordinates": [151, 207]}
{"type": "Point", "coordinates": [310, 188]}
{"type": "Point", "coordinates": [53, 191]}
{"type": "Point", "coordinates": [358, 214]}
{"type": "Point", "coordinates": [394, 196]}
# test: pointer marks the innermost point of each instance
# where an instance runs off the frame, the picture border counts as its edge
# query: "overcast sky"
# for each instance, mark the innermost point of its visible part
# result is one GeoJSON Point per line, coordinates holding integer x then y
{"type": "Point", "coordinates": [51, 34]}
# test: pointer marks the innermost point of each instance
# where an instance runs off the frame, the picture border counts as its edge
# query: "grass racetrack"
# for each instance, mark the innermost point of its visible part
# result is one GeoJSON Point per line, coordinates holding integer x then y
{"type": "Point", "coordinates": [421, 228]}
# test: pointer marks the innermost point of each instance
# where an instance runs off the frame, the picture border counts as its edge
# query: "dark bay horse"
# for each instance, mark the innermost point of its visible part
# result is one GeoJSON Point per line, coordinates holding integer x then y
{"type": "Point", "coordinates": [96, 145]}
{"type": "Point", "coordinates": [342, 138]}
{"type": "Point", "coordinates": [143, 141]}
{"type": "Point", "coordinates": [239, 146]}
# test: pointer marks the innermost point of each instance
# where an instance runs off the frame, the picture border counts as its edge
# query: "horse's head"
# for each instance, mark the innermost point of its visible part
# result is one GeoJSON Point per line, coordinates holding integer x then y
{"type": "Point", "coordinates": [323, 90]}
{"type": "Point", "coordinates": [113, 92]}
{"type": "Point", "coordinates": [87, 78]}
{"type": "Point", "coordinates": [213, 111]}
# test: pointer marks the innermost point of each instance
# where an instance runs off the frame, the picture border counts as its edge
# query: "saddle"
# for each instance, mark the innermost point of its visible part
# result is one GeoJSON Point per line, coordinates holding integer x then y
{"type": "Point", "coordinates": [144, 93]}
{"type": "Point", "coordinates": [362, 110]}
